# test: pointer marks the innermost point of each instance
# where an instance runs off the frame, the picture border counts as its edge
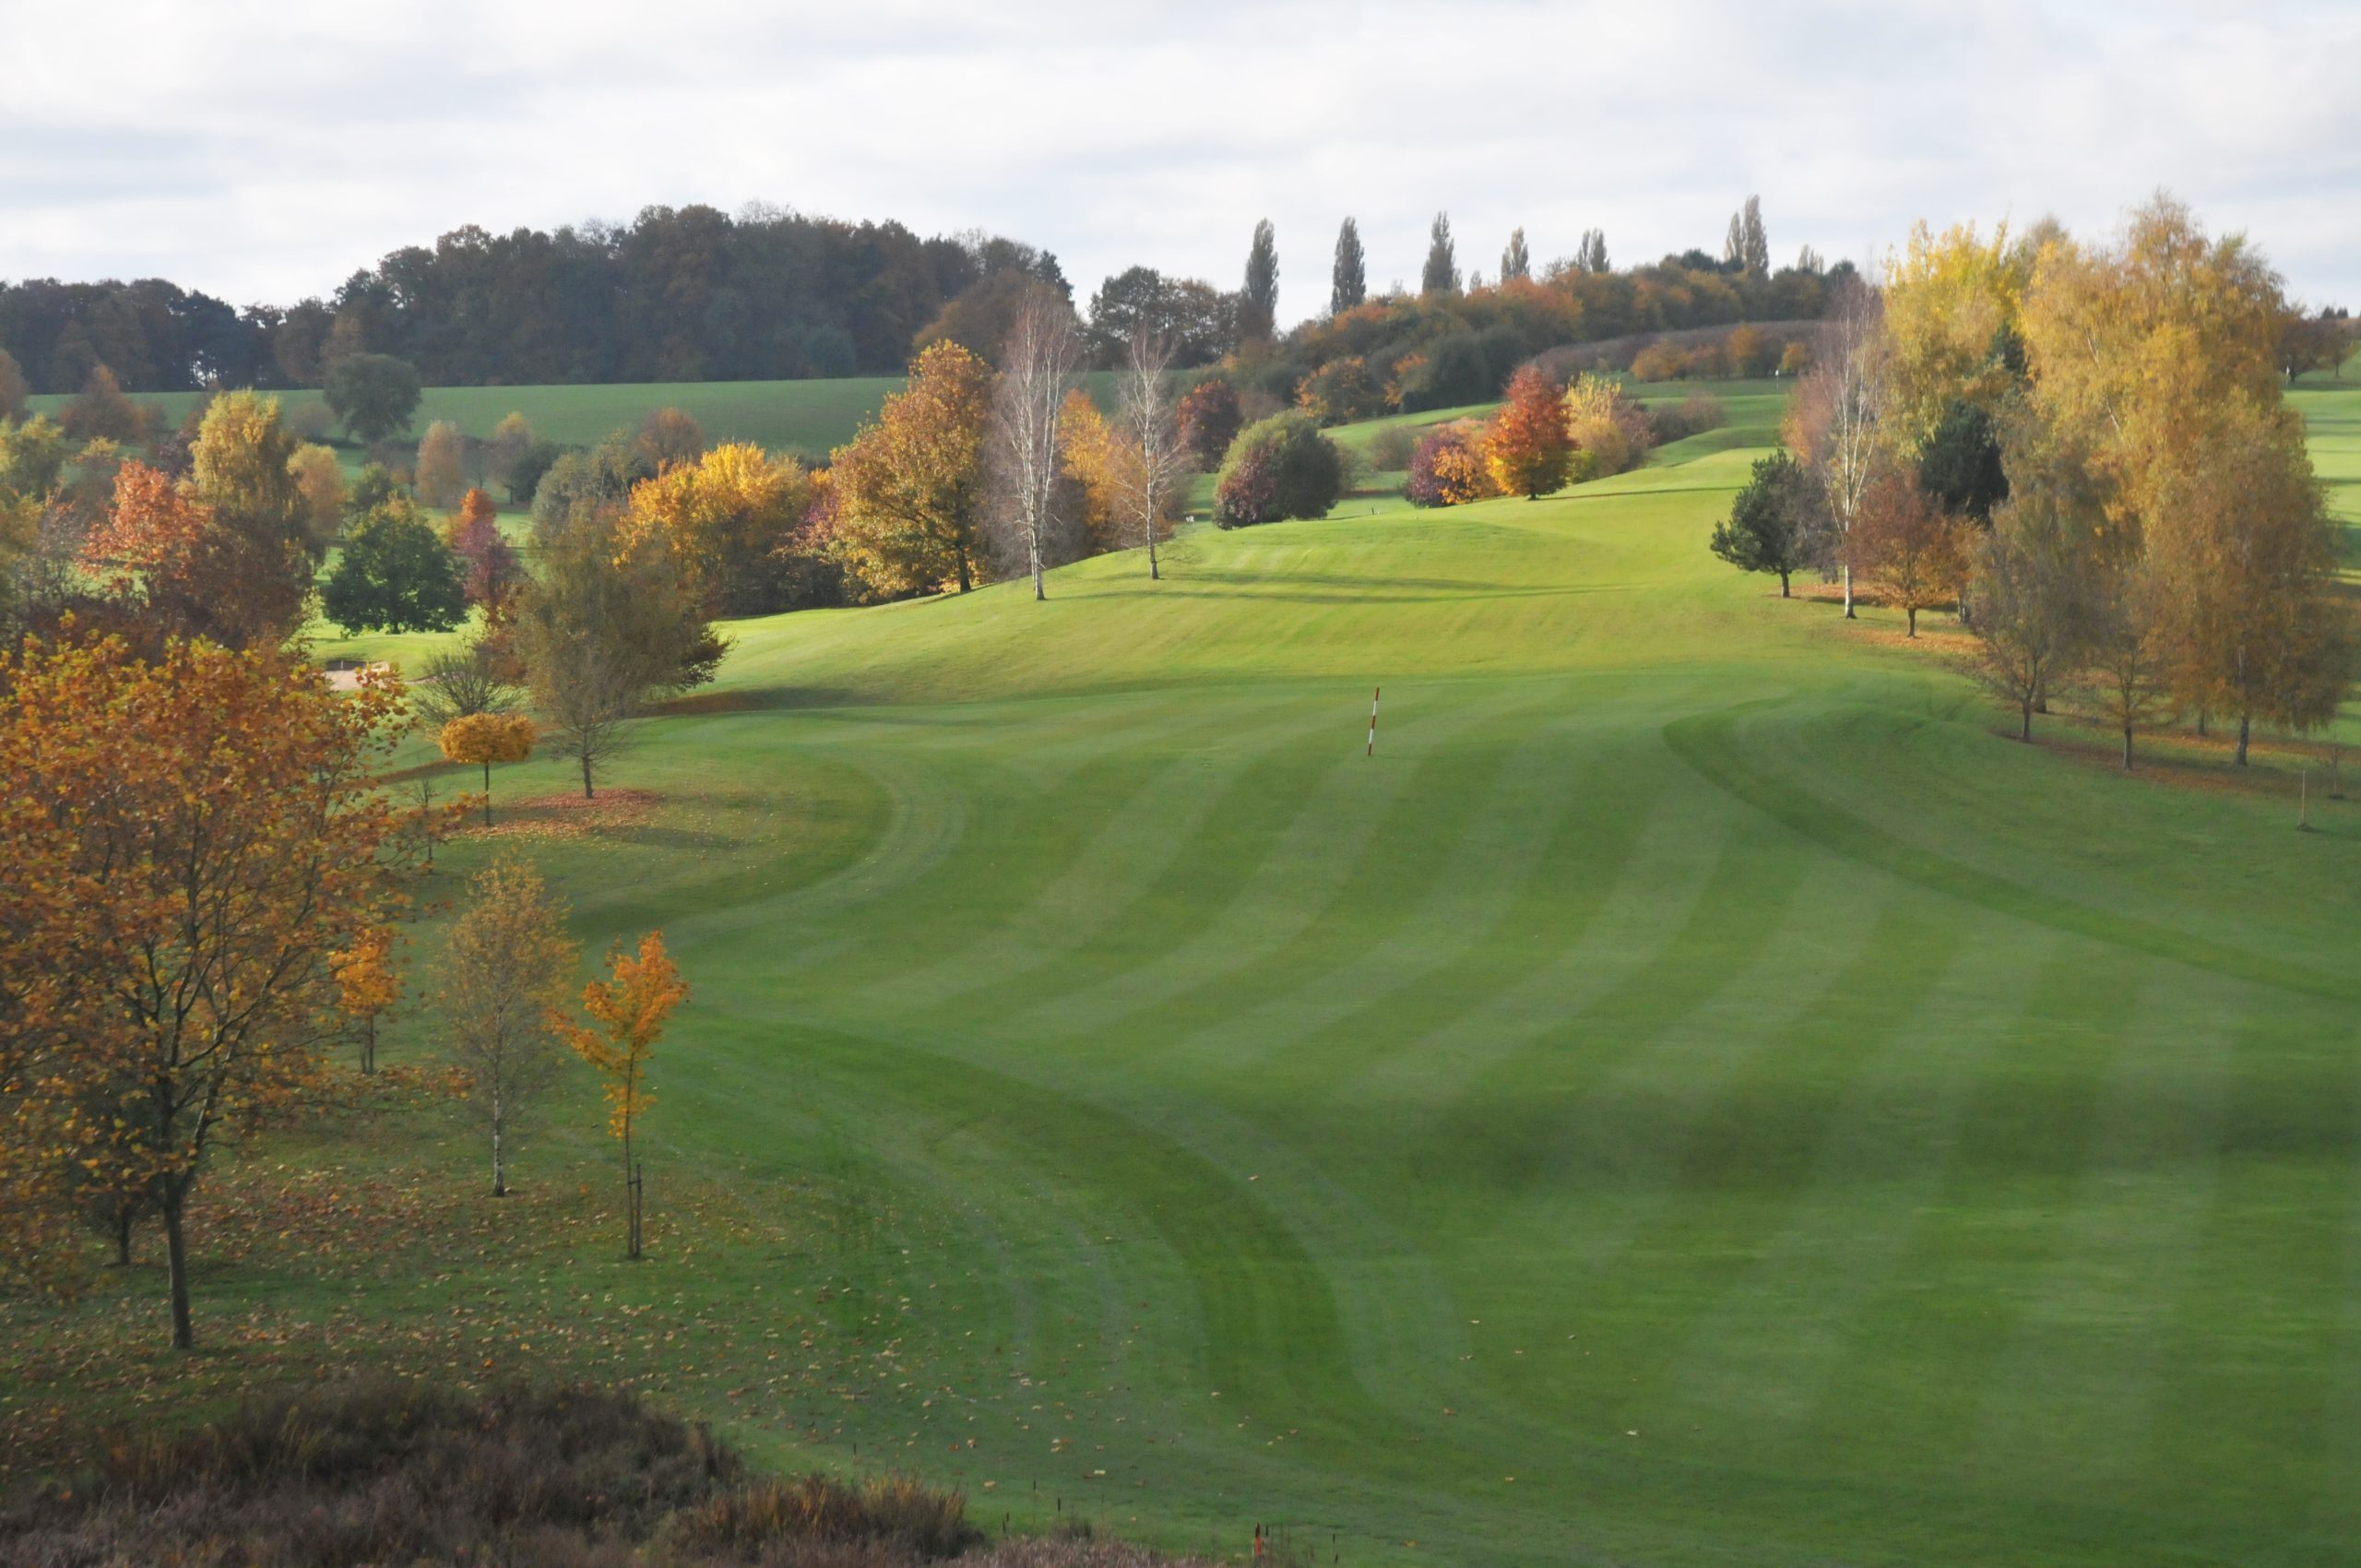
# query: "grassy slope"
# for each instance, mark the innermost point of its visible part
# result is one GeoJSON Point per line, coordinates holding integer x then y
{"type": "Point", "coordinates": [1695, 1096]}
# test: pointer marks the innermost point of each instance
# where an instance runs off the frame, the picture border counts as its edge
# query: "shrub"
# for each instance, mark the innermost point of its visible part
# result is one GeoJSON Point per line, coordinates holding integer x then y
{"type": "Point", "coordinates": [1448, 468]}
{"type": "Point", "coordinates": [1658, 362]}
{"type": "Point", "coordinates": [1609, 430]}
{"type": "Point", "coordinates": [1278, 467]}
{"type": "Point", "coordinates": [1390, 449]}
{"type": "Point", "coordinates": [1340, 392]}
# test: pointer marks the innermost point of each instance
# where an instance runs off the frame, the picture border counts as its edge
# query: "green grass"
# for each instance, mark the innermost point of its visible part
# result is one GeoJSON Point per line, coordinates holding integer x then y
{"type": "Point", "coordinates": [807, 417]}
{"type": "Point", "coordinates": [1697, 1095]}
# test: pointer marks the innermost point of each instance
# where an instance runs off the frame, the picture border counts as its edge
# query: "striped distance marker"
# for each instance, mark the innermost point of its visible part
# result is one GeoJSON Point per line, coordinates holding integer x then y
{"type": "Point", "coordinates": [1375, 694]}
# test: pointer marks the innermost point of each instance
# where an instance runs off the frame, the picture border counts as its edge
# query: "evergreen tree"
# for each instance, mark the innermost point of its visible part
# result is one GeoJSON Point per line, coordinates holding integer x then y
{"type": "Point", "coordinates": [1517, 261]}
{"type": "Point", "coordinates": [1442, 274]}
{"type": "Point", "coordinates": [1769, 527]}
{"type": "Point", "coordinates": [1348, 283]}
{"type": "Point", "coordinates": [1258, 303]}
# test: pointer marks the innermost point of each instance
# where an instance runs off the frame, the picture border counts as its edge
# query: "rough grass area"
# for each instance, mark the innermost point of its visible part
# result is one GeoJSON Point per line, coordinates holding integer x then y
{"type": "Point", "coordinates": [399, 1472]}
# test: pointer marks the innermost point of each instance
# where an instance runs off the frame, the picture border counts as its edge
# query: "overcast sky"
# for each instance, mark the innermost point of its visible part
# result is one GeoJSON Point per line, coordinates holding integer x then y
{"type": "Point", "coordinates": [264, 152]}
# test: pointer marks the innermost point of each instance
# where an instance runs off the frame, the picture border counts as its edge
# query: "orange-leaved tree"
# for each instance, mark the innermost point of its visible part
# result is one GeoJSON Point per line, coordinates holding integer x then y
{"type": "Point", "coordinates": [185, 845]}
{"type": "Point", "coordinates": [367, 986]}
{"type": "Point", "coordinates": [1525, 447]}
{"type": "Point", "coordinates": [487, 738]}
{"type": "Point", "coordinates": [629, 1009]}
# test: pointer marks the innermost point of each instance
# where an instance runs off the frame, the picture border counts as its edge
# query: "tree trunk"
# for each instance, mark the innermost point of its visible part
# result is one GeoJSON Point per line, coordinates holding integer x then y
{"type": "Point", "coordinates": [1913, 614]}
{"type": "Point", "coordinates": [487, 794]}
{"type": "Point", "coordinates": [1848, 591]}
{"type": "Point", "coordinates": [499, 1165]}
{"type": "Point", "coordinates": [2246, 730]}
{"type": "Point", "coordinates": [1151, 549]}
{"type": "Point", "coordinates": [2025, 731]}
{"type": "Point", "coordinates": [368, 1045]}
{"type": "Point", "coordinates": [966, 580]}
{"type": "Point", "coordinates": [2127, 748]}
{"type": "Point", "coordinates": [1783, 582]}
{"type": "Point", "coordinates": [123, 1236]}
{"type": "Point", "coordinates": [585, 777]}
{"type": "Point", "coordinates": [176, 1263]}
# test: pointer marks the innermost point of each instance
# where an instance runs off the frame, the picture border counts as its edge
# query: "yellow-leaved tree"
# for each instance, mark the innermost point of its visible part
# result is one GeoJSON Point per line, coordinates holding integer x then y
{"type": "Point", "coordinates": [487, 738]}
{"type": "Point", "coordinates": [367, 986]}
{"type": "Point", "coordinates": [629, 1008]}
{"type": "Point", "coordinates": [724, 516]}
{"type": "Point", "coordinates": [908, 490]}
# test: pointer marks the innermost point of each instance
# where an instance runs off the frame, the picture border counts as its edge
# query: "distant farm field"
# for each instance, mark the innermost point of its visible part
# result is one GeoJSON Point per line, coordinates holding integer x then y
{"type": "Point", "coordinates": [805, 417]}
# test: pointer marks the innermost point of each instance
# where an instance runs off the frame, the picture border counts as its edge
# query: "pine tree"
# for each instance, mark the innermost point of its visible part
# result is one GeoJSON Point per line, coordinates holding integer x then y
{"type": "Point", "coordinates": [1517, 261]}
{"type": "Point", "coordinates": [1258, 304]}
{"type": "Point", "coordinates": [1348, 284]}
{"type": "Point", "coordinates": [1442, 274]}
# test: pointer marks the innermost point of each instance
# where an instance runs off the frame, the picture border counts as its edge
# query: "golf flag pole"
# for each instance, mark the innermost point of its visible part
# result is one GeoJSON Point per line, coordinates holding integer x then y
{"type": "Point", "coordinates": [1374, 694]}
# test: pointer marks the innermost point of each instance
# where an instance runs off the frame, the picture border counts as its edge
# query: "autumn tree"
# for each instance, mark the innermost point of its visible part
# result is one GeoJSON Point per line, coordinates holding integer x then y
{"type": "Point", "coordinates": [1524, 445]}
{"type": "Point", "coordinates": [606, 625]}
{"type": "Point", "coordinates": [1258, 300]}
{"type": "Point", "coordinates": [1152, 481]}
{"type": "Point", "coordinates": [14, 388]}
{"type": "Point", "coordinates": [2029, 593]}
{"type": "Point", "coordinates": [1447, 467]}
{"type": "Point", "coordinates": [1210, 418]}
{"type": "Point", "coordinates": [727, 516]}
{"type": "Point", "coordinates": [319, 480]}
{"type": "Point", "coordinates": [101, 411]}
{"type": "Point", "coordinates": [373, 395]}
{"type": "Point", "coordinates": [367, 986]}
{"type": "Point", "coordinates": [2126, 659]}
{"type": "Point", "coordinates": [491, 573]}
{"type": "Point", "coordinates": [184, 844]}
{"type": "Point", "coordinates": [505, 448]}
{"type": "Point", "coordinates": [1951, 327]}
{"type": "Point", "coordinates": [502, 985]}
{"type": "Point", "coordinates": [1348, 277]}
{"type": "Point", "coordinates": [1607, 428]}
{"type": "Point", "coordinates": [1915, 554]}
{"type": "Point", "coordinates": [1440, 274]}
{"type": "Point", "coordinates": [487, 738]}
{"type": "Point", "coordinates": [668, 437]}
{"type": "Point", "coordinates": [170, 559]}
{"type": "Point", "coordinates": [1095, 478]}
{"type": "Point", "coordinates": [395, 575]}
{"type": "Point", "coordinates": [909, 488]}
{"type": "Point", "coordinates": [629, 1009]}
{"type": "Point", "coordinates": [1773, 521]}
{"type": "Point", "coordinates": [440, 478]}
{"type": "Point", "coordinates": [1836, 422]}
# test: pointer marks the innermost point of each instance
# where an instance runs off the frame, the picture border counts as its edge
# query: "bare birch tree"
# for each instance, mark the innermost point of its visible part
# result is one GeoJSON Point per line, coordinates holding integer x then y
{"type": "Point", "coordinates": [1148, 419]}
{"type": "Point", "coordinates": [1037, 371]}
{"type": "Point", "coordinates": [1836, 422]}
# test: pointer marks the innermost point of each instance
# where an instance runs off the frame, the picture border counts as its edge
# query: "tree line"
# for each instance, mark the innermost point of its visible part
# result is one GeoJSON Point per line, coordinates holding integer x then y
{"type": "Point", "coordinates": [686, 294]}
{"type": "Point", "coordinates": [2083, 451]}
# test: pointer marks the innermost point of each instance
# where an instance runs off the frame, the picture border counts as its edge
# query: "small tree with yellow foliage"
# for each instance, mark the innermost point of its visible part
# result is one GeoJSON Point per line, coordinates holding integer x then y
{"type": "Point", "coordinates": [629, 1009]}
{"type": "Point", "coordinates": [366, 985]}
{"type": "Point", "coordinates": [487, 738]}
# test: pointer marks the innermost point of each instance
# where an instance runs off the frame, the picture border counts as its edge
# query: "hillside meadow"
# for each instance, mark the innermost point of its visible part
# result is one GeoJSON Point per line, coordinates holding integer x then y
{"type": "Point", "coordinates": [1697, 1094]}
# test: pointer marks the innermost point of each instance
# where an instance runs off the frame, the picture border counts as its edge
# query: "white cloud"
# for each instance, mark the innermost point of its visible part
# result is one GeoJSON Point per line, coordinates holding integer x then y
{"type": "Point", "coordinates": [260, 152]}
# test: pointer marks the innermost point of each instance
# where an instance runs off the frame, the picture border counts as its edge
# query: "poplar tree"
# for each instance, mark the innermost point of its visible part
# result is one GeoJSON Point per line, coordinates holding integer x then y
{"type": "Point", "coordinates": [1258, 303]}
{"type": "Point", "coordinates": [1442, 274]}
{"type": "Point", "coordinates": [1517, 261]}
{"type": "Point", "coordinates": [1348, 281]}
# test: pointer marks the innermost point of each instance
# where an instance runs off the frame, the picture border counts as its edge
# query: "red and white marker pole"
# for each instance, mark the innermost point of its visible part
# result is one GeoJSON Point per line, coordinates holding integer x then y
{"type": "Point", "coordinates": [1375, 694]}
